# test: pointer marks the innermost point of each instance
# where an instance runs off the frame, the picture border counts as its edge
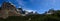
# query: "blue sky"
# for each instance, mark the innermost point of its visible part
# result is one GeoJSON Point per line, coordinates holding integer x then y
{"type": "Point", "coordinates": [35, 5]}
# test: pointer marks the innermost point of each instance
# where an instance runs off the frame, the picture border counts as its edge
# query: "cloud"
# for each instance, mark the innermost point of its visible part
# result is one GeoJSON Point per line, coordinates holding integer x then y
{"type": "Point", "coordinates": [20, 2]}
{"type": "Point", "coordinates": [30, 10]}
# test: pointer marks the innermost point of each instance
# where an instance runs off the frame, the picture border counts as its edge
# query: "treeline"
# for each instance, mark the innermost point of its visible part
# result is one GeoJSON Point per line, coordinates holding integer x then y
{"type": "Point", "coordinates": [32, 18]}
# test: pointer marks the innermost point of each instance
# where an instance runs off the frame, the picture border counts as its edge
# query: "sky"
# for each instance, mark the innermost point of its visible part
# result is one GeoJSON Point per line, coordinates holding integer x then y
{"type": "Point", "coordinates": [35, 5]}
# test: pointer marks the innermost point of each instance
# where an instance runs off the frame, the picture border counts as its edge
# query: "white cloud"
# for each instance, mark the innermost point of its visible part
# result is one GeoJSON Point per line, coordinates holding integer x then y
{"type": "Point", "coordinates": [19, 7]}
{"type": "Point", "coordinates": [30, 10]}
{"type": "Point", "coordinates": [20, 2]}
